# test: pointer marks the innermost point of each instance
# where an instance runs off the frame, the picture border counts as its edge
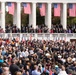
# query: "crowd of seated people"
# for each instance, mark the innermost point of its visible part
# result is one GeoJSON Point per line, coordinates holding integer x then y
{"type": "Point", "coordinates": [39, 29]}
{"type": "Point", "coordinates": [58, 28]}
{"type": "Point", "coordinates": [27, 29]}
{"type": "Point", "coordinates": [71, 28]}
{"type": "Point", "coordinates": [12, 29]}
{"type": "Point", "coordinates": [37, 57]}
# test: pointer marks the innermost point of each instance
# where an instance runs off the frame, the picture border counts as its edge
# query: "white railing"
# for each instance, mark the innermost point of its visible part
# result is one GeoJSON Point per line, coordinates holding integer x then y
{"type": "Point", "coordinates": [45, 36]}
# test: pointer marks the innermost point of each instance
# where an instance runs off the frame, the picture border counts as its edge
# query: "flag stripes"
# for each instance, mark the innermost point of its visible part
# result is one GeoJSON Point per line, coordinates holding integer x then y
{"type": "Point", "coordinates": [11, 8]}
{"type": "Point", "coordinates": [42, 9]}
{"type": "Point", "coordinates": [27, 8]}
{"type": "Point", "coordinates": [57, 9]}
{"type": "Point", "coordinates": [72, 10]}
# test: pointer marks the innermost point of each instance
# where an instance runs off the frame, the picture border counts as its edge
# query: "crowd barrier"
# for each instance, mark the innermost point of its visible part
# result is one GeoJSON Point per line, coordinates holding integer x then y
{"type": "Point", "coordinates": [40, 36]}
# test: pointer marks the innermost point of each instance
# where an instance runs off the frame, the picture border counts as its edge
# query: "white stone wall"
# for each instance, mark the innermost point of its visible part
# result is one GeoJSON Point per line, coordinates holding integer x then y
{"type": "Point", "coordinates": [49, 1]}
{"type": "Point", "coordinates": [39, 36]}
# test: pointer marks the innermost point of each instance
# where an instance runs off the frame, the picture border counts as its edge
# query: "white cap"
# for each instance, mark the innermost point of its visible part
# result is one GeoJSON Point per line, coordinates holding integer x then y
{"type": "Point", "coordinates": [20, 56]}
{"type": "Point", "coordinates": [39, 65]}
{"type": "Point", "coordinates": [9, 55]}
{"type": "Point", "coordinates": [56, 65]}
{"type": "Point", "coordinates": [2, 46]}
{"type": "Point", "coordinates": [73, 59]}
{"type": "Point", "coordinates": [59, 56]}
{"type": "Point", "coordinates": [47, 54]}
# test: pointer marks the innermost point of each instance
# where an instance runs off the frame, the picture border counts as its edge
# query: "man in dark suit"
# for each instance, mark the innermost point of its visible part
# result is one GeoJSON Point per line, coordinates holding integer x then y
{"type": "Point", "coordinates": [13, 67]}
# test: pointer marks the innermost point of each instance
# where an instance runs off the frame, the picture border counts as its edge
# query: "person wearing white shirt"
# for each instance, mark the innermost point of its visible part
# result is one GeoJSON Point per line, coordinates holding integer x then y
{"type": "Point", "coordinates": [31, 52]}
{"type": "Point", "coordinates": [35, 71]}
{"type": "Point", "coordinates": [26, 53]}
{"type": "Point", "coordinates": [62, 71]}
{"type": "Point", "coordinates": [23, 54]}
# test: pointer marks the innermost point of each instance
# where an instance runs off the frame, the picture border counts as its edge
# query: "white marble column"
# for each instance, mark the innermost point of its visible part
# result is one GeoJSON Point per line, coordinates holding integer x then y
{"type": "Point", "coordinates": [19, 15]}
{"type": "Point", "coordinates": [32, 16]}
{"type": "Point", "coordinates": [64, 16]}
{"type": "Point", "coordinates": [0, 14]}
{"type": "Point", "coordinates": [61, 14]}
{"type": "Point", "coordinates": [3, 15]}
{"type": "Point", "coordinates": [48, 17]}
{"type": "Point", "coordinates": [15, 15]}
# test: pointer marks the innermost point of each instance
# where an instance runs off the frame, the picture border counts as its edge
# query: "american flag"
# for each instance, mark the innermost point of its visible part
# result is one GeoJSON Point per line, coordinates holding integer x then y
{"type": "Point", "coordinates": [57, 9]}
{"type": "Point", "coordinates": [42, 9]}
{"type": "Point", "coordinates": [72, 10]}
{"type": "Point", "coordinates": [11, 8]}
{"type": "Point", "coordinates": [27, 8]}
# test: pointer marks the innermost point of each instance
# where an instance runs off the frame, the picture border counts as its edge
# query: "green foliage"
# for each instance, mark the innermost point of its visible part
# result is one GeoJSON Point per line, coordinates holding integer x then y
{"type": "Point", "coordinates": [74, 20]}
{"type": "Point", "coordinates": [8, 18]}
{"type": "Point", "coordinates": [39, 19]}
{"type": "Point", "coordinates": [71, 20]}
{"type": "Point", "coordinates": [55, 20]}
{"type": "Point", "coordinates": [24, 18]}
